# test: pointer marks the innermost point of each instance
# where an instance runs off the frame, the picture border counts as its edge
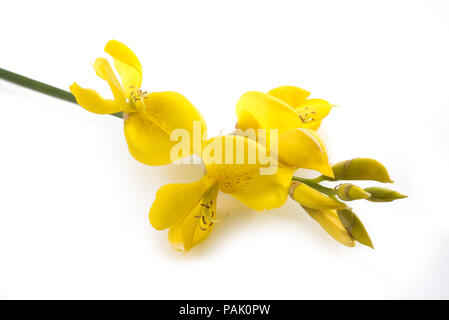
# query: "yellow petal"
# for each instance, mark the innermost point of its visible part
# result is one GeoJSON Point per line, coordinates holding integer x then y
{"type": "Point", "coordinates": [312, 198]}
{"type": "Point", "coordinates": [105, 72]}
{"type": "Point", "coordinates": [312, 111]}
{"type": "Point", "coordinates": [291, 95]}
{"type": "Point", "coordinates": [265, 111]}
{"type": "Point", "coordinates": [329, 220]}
{"type": "Point", "coordinates": [196, 226]}
{"type": "Point", "coordinates": [148, 131]}
{"type": "Point", "coordinates": [174, 201]}
{"type": "Point", "coordinates": [312, 125]}
{"type": "Point", "coordinates": [127, 65]}
{"type": "Point", "coordinates": [361, 169]}
{"type": "Point", "coordinates": [303, 148]}
{"type": "Point", "coordinates": [93, 102]}
{"type": "Point", "coordinates": [243, 170]}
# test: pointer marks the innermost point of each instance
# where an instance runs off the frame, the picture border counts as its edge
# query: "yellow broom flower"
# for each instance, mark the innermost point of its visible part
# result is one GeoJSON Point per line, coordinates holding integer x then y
{"type": "Point", "coordinates": [149, 118]}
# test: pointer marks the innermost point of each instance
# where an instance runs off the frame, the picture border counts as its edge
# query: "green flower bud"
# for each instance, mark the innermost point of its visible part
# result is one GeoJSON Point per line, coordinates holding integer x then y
{"type": "Point", "coordinates": [379, 194]}
{"type": "Point", "coordinates": [355, 227]}
{"type": "Point", "coordinates": [360, 169]}
{"type": "Point", "coordinates": [349, 192]}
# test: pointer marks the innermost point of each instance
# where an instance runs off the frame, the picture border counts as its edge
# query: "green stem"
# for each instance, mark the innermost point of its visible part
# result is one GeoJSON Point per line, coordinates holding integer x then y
{"type": "Point", "coordinates": [41, 87]}
{"type": "Point", "coordinates": [319, 179]}
{"type": "Point", "coordinates": [316, 186]}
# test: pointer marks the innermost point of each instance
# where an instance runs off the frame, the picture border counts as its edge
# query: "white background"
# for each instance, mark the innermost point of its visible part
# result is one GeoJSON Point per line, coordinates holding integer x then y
{"type": "Point", "coordinates": [74, 204]}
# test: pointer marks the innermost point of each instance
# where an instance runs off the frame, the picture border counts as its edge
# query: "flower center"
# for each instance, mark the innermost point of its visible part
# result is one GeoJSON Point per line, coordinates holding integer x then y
{"type": "Point", "coordinates": [305, 115]}
{"type": "Point", "coordinates": [208, 215]}
{"type": "Point", "coordinates": [136, 96]}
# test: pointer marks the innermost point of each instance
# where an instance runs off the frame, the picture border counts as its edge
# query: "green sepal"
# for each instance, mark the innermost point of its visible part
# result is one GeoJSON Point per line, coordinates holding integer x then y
{"type": "Point", "coordinates": [355, 227]}
{"type": "Point", "coordinates": [379, 194]}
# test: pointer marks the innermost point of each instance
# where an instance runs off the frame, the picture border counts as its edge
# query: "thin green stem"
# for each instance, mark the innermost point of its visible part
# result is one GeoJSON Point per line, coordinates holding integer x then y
{"type": "Point", "coordinates": [316, 186]}
{"type": "Point", "coordinates": [318, 179]}
{"type": "Point", "coordinates": [41, 87]}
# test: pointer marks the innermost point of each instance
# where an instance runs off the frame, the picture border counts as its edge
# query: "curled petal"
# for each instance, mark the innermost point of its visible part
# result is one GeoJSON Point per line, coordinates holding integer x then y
{"type": "Point", "coordinates": [93, 102]}
{"type": "Point", "coordinates": [175, 201]}
{"type": "Point", "coordinates": [303, 148]}
{"type": "Point", "coordinates": [105, 72]}
{"type": "Point", "coordinates": [127, 64]}
{"type": "Point", "coordinates": [257, 110]}
{"type": "Point", "coordinates": [148, 131]}
{"type": "Point", "coordinates": [291, 95]}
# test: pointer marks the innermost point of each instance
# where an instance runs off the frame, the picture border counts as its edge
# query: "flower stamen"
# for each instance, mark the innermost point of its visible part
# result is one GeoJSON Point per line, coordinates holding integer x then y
{"type": "Point", "coordinates": [137, 95]}
{"type": "Point", "coordinates": [207, 217]}
{"type": "Point", "coordinates": [306, 116]}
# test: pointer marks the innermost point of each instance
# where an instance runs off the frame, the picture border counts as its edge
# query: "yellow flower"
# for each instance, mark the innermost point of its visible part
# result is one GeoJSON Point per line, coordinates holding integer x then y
{"type": "Point", "coordinates": [189, 209]}
{"type": "Point", "coordinates": [284, 109]}
{"type": "Point", "coordinates": [149, 118]}
{"type": "Point", "coordinates": [296, 118]}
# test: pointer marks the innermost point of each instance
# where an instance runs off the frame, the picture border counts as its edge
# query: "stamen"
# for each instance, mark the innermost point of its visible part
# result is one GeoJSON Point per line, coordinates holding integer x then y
{"type": "Point", "coordinates": [307, 116]}
{"type": "Point", "coordinates": [207, 208]}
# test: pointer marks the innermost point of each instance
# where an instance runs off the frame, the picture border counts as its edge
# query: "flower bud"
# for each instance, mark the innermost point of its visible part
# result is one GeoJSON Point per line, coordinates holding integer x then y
{"type": "Point", "coordinates": [379, 194]}
{"type": "Point", "coordinates": [355, 227]}
{"type": "Point", "coordinates": [361, 169]}
{"type": "Point", "coordinates": [329, 221]}
{"type": "Point", "coordinates": [349, 192]}
{"type": "Point", "coordinates": [311, 198]}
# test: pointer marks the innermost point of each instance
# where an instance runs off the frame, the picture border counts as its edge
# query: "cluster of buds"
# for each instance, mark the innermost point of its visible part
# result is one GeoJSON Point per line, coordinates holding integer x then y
{"type": "Point", "coordinates": [327, 205]}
